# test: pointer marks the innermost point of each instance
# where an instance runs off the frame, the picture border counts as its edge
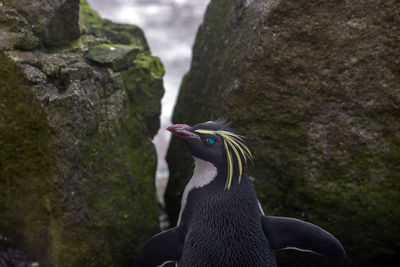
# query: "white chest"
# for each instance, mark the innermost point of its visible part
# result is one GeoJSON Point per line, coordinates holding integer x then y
{"type": "Point", "coordinates": [204, 172]}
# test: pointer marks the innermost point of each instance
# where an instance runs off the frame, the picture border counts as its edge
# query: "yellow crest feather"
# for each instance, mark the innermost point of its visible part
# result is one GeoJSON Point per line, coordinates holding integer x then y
{"type": "Point", "coordinates": [235, 143]}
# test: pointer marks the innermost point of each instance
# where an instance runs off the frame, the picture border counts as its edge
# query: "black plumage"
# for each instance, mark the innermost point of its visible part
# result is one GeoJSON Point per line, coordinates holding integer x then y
{"type": "Point", "coordinates": [221, 222]}
{"type": "Point", "coordinates": [224, 227]}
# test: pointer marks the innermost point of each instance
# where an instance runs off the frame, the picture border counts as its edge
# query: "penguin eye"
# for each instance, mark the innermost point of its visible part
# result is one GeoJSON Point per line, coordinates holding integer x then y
{"type": "Point", "coordinates": [210, 140]}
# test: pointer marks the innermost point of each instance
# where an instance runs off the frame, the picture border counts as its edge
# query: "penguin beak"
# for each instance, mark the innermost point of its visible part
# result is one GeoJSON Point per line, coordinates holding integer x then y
{"type": "Point", "coordinates": [181, 130]}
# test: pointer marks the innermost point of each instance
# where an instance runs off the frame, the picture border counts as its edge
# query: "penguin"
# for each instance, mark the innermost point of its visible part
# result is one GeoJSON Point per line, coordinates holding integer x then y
{"type": "Point", "coordinates": [221, 222]}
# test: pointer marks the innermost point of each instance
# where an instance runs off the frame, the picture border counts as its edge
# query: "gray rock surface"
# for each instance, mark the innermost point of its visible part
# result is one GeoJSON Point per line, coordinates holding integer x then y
{"type": "Point", "coordinates": [315, 87]}
{"type": "Point", "coordinates": [56, 22]}
{"type": "Point", "coordinates": [16, 31]}
{"type": "Point", "coordinates": [77, 162]}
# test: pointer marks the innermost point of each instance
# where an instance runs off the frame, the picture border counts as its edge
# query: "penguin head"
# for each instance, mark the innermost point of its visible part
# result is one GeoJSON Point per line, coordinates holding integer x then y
{"type": "Point", "coordinates": [216, 143]}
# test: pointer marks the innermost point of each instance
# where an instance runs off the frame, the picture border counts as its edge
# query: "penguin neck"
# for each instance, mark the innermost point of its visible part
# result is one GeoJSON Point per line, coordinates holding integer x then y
{"type": "Point", "coordinates": [204, 173]}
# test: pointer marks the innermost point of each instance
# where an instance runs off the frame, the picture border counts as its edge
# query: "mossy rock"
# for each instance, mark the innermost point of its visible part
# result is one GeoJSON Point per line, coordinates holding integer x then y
{"type": "Point", "coordinates": [94, 188]}
{"type": "Point", "coordinates": [28, 202]}
{"type": "Point", "coordinates": [93, 24]}
{"type": "Point", "coordinates": [15, 31]}
{"type": "Point", "coordinates": [313, 86]}
{"type": "Point", "coordinates": [77, 161]}
{"type": "Point", "coordinates": [55, 22]}
{"type": "Point", "coordinates": [116, 56]}
{"type": "Point", "coordinates": [143, 81]}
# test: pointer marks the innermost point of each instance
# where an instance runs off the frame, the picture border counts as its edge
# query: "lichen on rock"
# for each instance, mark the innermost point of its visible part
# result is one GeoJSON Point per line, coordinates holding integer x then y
{"type": "Point", "coordinates": [78, 165]}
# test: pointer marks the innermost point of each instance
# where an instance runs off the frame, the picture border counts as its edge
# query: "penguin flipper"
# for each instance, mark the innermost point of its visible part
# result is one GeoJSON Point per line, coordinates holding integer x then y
{"type": "Point", "coordinates": [162, 248]}
{"type": "Point", "coordinates": [290, 233]}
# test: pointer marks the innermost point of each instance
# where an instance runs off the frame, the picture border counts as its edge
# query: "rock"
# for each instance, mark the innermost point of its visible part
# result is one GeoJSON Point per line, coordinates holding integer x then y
{"type": "Point", "coordinates": [315, 87]}
{"type": "Point", "coordinates": [116, 33]}
{"type": "Point", "coordinates": [15, 31]}
{"type": "Point", "coordinates": [77, 162]}
{"type": "Point", "coordinates": [14, 257]}
{"type": "Point", "coordinates": [56, 22]}
{"type": "Point", "coordinates": [116, 56]}
{"type": "Point", "coordinates": [33, 74]}
{"type": "Point", "coordinates": [106, 54]}
{"type": "Point", "coordinates": [143, 79]}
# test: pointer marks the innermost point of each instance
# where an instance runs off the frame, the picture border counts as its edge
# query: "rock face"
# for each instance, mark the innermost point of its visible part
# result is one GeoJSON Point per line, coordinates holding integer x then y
{"type": "Point", "coordinates": [76, 122]}
{"type": "Point", "coordinates": [315, 86]}
{"type": "Point", "coordinates": [56, 22]}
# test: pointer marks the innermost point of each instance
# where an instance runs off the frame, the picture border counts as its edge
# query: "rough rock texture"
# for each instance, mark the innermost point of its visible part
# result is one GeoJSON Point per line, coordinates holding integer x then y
{"type": "Point", "coordinates": [15, 30]}
{"type": "Point", "coordinates": [77, 163]}
{"type": "Point", "coordinates": [56, 22]}
{"type": "Point", "coordinates": [315, 86]}
{"type": "Point", "coordinates": [14, 257]}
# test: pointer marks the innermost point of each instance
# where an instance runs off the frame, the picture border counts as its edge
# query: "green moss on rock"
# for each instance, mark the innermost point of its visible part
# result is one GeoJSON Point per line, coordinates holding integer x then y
{"type": "Point", "coordinates": [143, 81]}
{"type": "Point", "coordinates": [115, 55]}
{"type": "Point", "coordinates": [28, 204]}
{"type": "Point", "coordinates": [15, 31]}
{"type": "Point", "coordinates": [122, 210]}
{"type": "Point", "coordinates": [93, 24]}
{"type": "Point", "coordinates": [76, 124]}
{"type": "Point", "coordinates": [312, 86]}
